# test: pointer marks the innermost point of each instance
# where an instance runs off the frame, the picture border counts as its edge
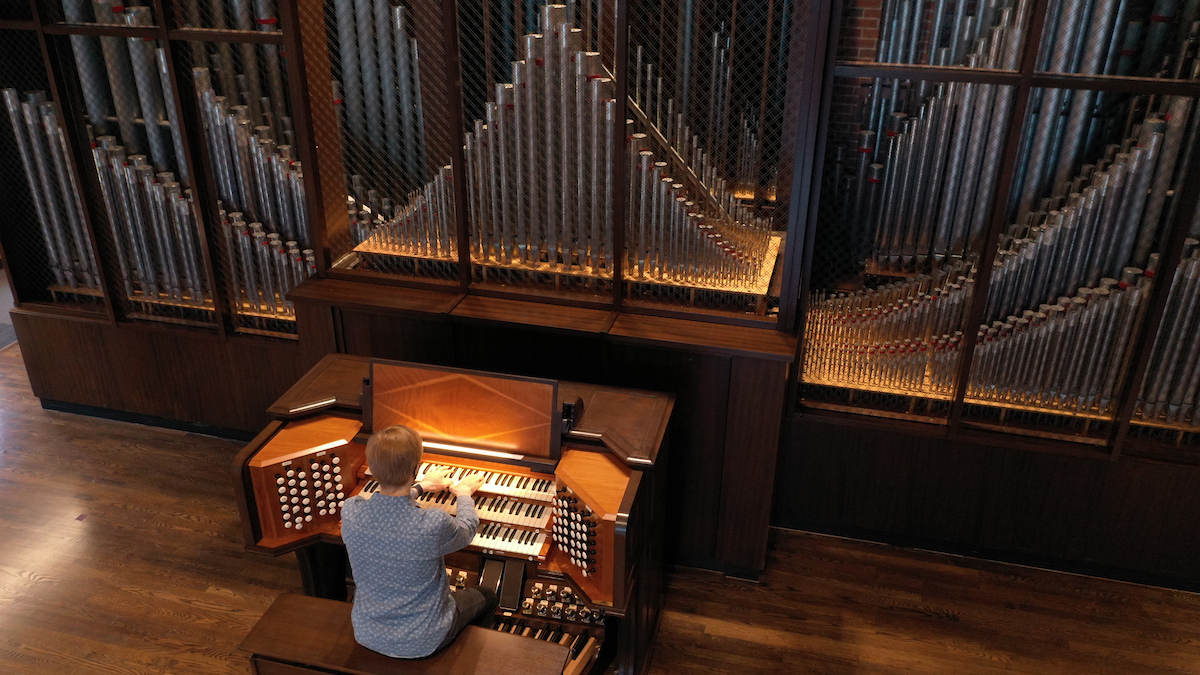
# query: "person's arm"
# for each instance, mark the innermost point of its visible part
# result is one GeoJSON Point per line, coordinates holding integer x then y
{"type": "Point", "coordinates": [466, 521]}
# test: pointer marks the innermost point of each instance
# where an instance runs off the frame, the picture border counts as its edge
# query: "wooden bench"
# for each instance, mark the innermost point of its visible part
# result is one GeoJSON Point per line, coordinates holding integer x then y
{"type": "Point", "coordinates": [301, 634]}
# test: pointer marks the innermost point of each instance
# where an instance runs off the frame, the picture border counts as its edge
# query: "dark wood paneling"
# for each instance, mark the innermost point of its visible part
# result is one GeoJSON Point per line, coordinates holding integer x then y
{"type": "Point", "coordinates": [534, 314]}
{"type": "Point", "coordinates": [757, 390]}
{"type": "Point", "coordinates": [1126, 514]}
{"type": "Point", "coordinates": [189, 376]}
{"type": "Point", "coordinates": [700, 383]}
{"type": "Point", "coordinates": [701, 336]}
{"type": "Point", "coordinates": [396, 337]}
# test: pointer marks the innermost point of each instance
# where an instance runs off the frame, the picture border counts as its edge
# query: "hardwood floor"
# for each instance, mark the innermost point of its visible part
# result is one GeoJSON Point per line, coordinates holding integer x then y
{"type": "Point", "coordinates": [840, 607]}
{"type": "Point", "coordinates": [120, 554]}
{"type": "Point", "coordinates": [120, 549]}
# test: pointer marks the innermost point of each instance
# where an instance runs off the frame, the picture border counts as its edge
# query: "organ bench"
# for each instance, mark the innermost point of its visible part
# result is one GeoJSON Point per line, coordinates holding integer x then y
{"type": "Point", "coordinates": [300, 634]}
{"type": "Point", "coordinates": [571, 509]}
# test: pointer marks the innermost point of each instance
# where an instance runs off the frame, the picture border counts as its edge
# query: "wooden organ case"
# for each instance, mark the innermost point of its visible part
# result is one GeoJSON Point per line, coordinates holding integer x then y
{"type": "Point", "coordinates": [571, 511]}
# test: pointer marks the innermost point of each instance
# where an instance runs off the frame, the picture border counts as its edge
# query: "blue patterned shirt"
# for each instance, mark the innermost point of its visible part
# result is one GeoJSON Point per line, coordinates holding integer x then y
{"type": "Point", "coordinates": [402, 604]}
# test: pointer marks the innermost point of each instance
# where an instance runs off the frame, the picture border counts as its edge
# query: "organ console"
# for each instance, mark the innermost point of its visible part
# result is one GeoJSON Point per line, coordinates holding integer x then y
{"type": "Point", "coordinates": [570, 508]}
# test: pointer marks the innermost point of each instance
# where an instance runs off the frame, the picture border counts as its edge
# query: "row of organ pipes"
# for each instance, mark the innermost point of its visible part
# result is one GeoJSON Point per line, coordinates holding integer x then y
{"type": "Point", "coordinates": [1094, 189]}
{"type": "Point", "coordinates": [262, 209]}
{"type": "Point", "coordinates": [138, 158]}
{"type": "Point", "coordinates": [137, 151]}
{"type": "Point", "coordinates": [1168, 392]}
{"type": "Point", "coordinates": [53, 188]}
{"type": "Point", "coordinates": [539, 184]}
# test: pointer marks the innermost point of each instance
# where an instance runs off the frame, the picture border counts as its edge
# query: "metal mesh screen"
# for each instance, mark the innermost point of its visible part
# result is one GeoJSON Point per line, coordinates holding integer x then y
{"type": "Point", "coordinates": [15, 11]}
{"type": "Point", "coordinates": [46, 242]}
{"type": "Point", "coordinates": [1153, 38]}
{"type": "Point", "coordinates": [261, 229]}
{"type": "Point", "coordinates": [1073, 272]}
{"type": "Point", "coordinates": [110, 12]}
{"type": "Point", "coordinates": [906, 197]}
{"type": "Point", "coordinates": [144, 213]}
{"type": "Point", "coordinates": [714, 102]}
{"type": "Point", "coordinates": [935, 33]}
{"type": "Point", "coordinates": [390, 88]}
{"type": "Point", "coordinates": [233, 15]}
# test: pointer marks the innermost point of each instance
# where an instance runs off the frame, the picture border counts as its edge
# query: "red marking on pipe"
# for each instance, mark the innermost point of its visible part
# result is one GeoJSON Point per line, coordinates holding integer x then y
{"type": "Point", "coordinates": [1150, 273]}
{"type": "Point", "coordinates": [874, 180]}
{"type": "Point", "coordinates": [267, 22]}
{"type": "Point", "coordinates": [117, 9]}
{"type": "Point", "coordinates": [337, 101]}
{"type": "Point", "coordinates": [1159, 18]}
{"type": "Point", "coordinates": [538, 62]}
{"type": "Point", "coordinates": [864, 149]}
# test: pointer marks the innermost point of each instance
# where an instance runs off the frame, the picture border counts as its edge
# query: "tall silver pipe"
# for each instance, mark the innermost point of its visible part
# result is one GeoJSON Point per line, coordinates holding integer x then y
{"type": "Point", "coordinates": [89, 60]}
{"type": "Point", "coordinates": [149, 89]}
{"type": "Point", "coordinates": [505, 144]}
{"type": "Point", "coordinates": [264, 16]}
{"type": "Point", "coordinates": [130, 211]}
{"type": "Point", "coordinates": [570, 43]}
{"type": "Point", "coordinates": [387, 79]}
{"type": "Point", "coordinates": [535, 160]}
{"type": "Point", "coordinates": [164, 76]}
{"type": "Point", "coordinates": [1163, 173]}
{"type": "Point", "coordinates": [520, 140]}
{"type": "Point", "coordinates": [243, 19]}
{"type": "Point", "coordinates": [120, 78]}
{"type": "Point", "coordinates": [419, 105]}
{"type": "Point", "coordinates": [404, 77]}
{"type": "Point", "coordinates": [352, 85]}
{"type": "Point", "coordinates": [368, 65]}
{"type": "Point", "coordinates": [552, 19]}
{"type": "Point", "coordinates": [72, 206]}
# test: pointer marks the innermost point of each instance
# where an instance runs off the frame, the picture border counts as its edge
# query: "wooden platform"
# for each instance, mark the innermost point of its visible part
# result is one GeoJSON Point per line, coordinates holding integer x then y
{"type": "Point", "coordinates": [120, 554]}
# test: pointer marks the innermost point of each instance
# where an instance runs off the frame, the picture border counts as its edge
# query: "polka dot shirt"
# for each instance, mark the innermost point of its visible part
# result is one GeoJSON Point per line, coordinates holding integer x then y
{"type": "Point", "coordinates": [402, 604]}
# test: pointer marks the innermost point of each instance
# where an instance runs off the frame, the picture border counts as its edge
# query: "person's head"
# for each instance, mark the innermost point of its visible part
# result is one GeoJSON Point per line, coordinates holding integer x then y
{"type": "Point", "coordinates": [394, 455]}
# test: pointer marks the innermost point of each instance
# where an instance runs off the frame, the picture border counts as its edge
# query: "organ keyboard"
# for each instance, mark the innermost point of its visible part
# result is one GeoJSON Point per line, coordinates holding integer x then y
{"type": "Point", "coordinates": [558, 510]}
{"type": "Point", "coordinates": [497, 516]}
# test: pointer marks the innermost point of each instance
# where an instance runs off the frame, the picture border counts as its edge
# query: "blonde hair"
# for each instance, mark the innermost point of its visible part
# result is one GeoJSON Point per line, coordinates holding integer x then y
{"type": "Point", "coordinates": [394, 455]}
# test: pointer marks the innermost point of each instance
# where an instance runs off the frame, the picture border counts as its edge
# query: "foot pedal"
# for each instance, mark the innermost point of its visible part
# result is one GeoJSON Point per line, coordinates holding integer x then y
{"type": "Point", "coordinates": [511, 585]}
{"type": "Point", "coordinates": [493, 570]}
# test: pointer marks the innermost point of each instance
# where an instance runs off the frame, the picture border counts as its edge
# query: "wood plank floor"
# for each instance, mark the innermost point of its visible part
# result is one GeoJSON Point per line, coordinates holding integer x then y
{"type": "Point", "coordinates": [120, 554]}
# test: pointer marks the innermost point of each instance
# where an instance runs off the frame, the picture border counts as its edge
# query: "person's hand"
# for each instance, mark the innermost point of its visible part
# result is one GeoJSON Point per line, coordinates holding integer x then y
{"type": "Point", "coordinates": [435, 480]}
{"type": "Point", "coordinates": [468, 485]}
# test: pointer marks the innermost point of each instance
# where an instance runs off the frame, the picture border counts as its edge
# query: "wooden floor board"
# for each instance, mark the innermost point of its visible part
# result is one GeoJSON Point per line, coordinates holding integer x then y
{"type": "Point", "coordinates": [121, 554]}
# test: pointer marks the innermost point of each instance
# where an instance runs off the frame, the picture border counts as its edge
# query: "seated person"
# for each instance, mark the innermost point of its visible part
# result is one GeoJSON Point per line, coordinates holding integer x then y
{"type": "Point", "coordinates": [403, 606]}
